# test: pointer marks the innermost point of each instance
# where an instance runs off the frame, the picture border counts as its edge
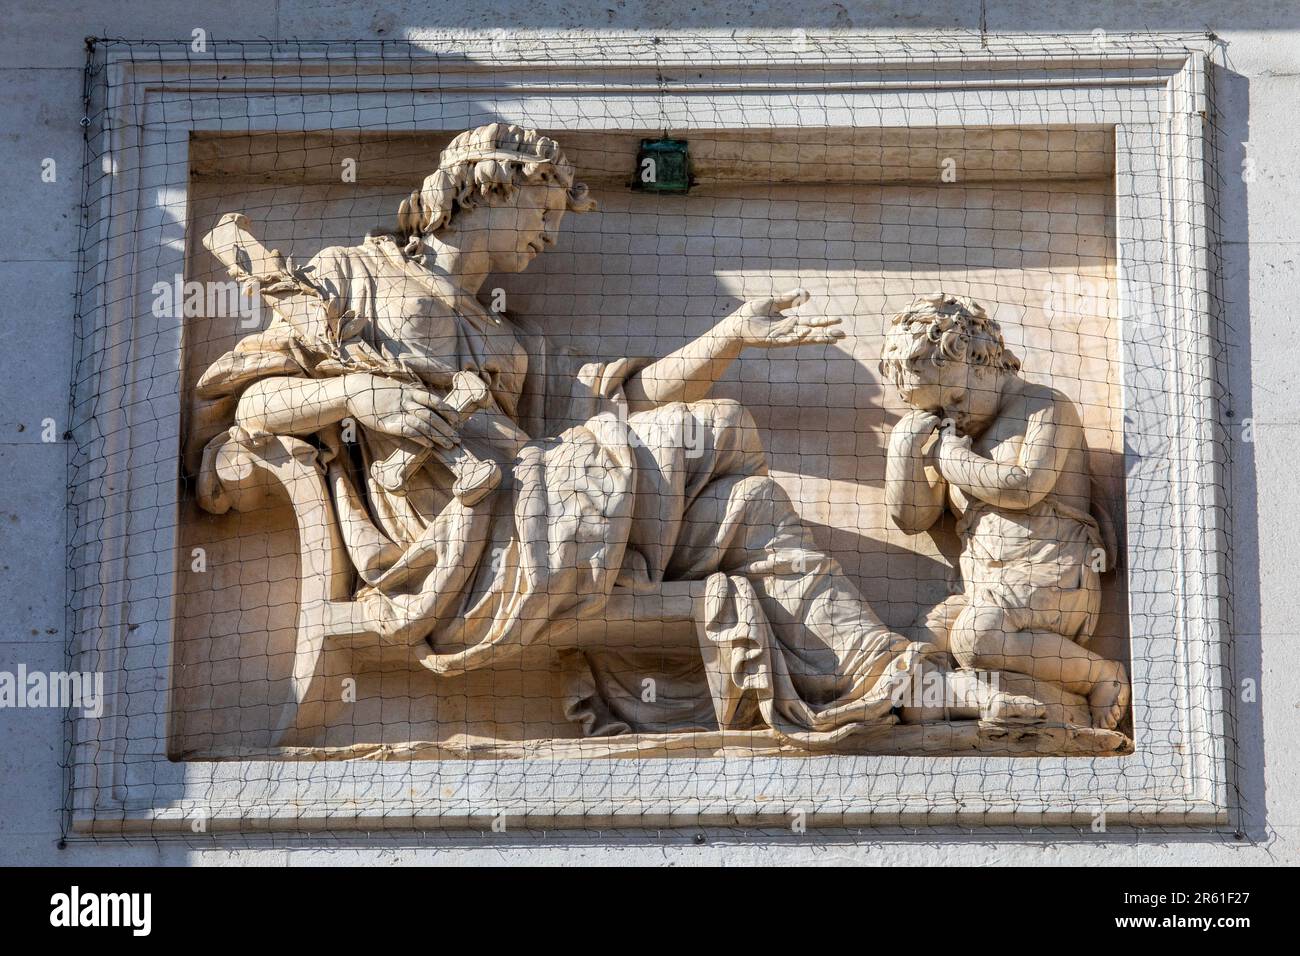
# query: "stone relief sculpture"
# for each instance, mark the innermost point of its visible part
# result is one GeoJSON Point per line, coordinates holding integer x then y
{"type": "Point", "coordinates": [464, 491]}
{"type": "Point", "coordinates": [1009, 458]}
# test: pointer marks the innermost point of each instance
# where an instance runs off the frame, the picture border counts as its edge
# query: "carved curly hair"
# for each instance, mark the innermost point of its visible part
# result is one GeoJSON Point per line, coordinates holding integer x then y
{"type": "Point", "coordinates": [493, 160]}
{"type": "Point", "coordinates": [943, 328]}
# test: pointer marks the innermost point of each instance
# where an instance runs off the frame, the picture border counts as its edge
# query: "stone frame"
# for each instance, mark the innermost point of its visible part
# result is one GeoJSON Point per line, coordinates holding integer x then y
{"type": "Point", "coordinates": [1153, 91]}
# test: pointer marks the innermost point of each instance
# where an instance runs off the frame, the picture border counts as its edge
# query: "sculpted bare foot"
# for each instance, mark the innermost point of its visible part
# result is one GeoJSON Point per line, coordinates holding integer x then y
{"type": "Point", "coordinates": [1109, 699]}
{"type": "Point", "coordinates": [1012, 708]}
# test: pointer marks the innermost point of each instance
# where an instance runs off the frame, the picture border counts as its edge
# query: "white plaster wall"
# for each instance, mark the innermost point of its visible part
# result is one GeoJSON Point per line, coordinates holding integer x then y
{"type": "Point", "coordinates": [41, 57]}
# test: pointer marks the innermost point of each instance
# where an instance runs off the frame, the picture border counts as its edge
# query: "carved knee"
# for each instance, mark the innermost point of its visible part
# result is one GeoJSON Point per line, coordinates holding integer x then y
{"type": "Point", "coordinates": [734, 434]}
{"type": "Point", "coordinates": [725, 411]}
{"type": "Point", "coordinates": [978, 637]}
{"type": "Point", "coordinates": [765, 518]}
{"type": "Point", "coordinates": [764, 499]}
{"type": "Point", "coordinates": [726, 415]}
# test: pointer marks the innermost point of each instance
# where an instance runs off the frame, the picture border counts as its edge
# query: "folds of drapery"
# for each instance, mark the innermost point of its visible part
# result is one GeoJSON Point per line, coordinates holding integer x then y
{"type": "Point", "coordinates": [477, 583]}
{"type": "Point", "coordinates": [783, 639]}
{"type": "Point", "coordinates": [744, 677]}
{"type": "Point", "coordinates": [603, 499]}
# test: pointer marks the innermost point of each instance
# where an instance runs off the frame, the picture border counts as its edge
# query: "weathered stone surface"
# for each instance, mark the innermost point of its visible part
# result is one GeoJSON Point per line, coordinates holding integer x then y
{"type": "Point", "coordinates": [468, 501]}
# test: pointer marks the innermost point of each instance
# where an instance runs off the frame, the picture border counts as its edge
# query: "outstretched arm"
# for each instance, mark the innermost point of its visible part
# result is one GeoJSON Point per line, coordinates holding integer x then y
{"type": "Point", "coordinates": [687, 374]}
{"type": "Point", "coordinates": [1020, 485]}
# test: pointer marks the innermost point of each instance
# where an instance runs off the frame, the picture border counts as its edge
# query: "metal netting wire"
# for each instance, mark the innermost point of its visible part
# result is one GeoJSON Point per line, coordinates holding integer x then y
{"type": "Point", "coordinates": [186, 586]}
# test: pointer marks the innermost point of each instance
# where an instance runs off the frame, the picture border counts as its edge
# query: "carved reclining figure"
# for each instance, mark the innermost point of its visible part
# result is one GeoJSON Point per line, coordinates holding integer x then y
{"type": "Point", "coordinates": [618, 477]}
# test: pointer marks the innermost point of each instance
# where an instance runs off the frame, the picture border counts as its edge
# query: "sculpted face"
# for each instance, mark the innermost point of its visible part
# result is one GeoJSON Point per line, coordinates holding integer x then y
{"type": "Point", "coordinates": [520, 228]}
{"type": "Point", "coordinates": [967, 394]}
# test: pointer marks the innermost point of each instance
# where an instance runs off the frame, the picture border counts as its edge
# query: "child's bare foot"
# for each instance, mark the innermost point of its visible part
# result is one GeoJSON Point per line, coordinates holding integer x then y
{"type": "Point", "coordinates": [1109, 698]}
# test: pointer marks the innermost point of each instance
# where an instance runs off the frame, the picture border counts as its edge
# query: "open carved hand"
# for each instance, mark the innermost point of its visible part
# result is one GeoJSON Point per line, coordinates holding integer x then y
{"type": "Point", "coordinates": [763, 324]}
{"type": "Point", "coordinates": [388, 406]}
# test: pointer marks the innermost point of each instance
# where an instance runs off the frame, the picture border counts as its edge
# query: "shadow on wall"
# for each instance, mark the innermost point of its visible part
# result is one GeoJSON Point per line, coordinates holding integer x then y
{"type": "Point", "coordinates": [1244, 658]}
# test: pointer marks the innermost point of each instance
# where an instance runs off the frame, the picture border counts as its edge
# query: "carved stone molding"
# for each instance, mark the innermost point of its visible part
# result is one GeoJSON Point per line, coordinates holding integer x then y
{"type": "Point", "coordinates": [1151, 102]}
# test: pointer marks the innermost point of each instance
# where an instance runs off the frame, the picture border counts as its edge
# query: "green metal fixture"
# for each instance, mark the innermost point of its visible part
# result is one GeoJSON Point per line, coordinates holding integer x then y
{"type": "Point", "coordinates": [662, 166]}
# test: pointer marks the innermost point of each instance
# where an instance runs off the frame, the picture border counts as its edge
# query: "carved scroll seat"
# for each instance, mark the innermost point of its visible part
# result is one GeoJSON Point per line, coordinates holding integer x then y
{"type": "Point", "coordinates": [251, 473]}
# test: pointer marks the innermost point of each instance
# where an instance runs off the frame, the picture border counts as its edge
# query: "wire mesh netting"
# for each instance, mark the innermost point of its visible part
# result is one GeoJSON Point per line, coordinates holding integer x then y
{"type": "Point", "coordinates": [630, 431]}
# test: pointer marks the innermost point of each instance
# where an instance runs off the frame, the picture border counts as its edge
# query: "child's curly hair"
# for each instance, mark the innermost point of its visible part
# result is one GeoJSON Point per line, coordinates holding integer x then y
{"type": "Point", "coordinates": [943, 328]}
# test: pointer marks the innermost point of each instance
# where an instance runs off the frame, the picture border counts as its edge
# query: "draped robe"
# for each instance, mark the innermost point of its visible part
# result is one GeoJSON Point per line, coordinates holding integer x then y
{"type": "Point", "coordinates": [591, 496]}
